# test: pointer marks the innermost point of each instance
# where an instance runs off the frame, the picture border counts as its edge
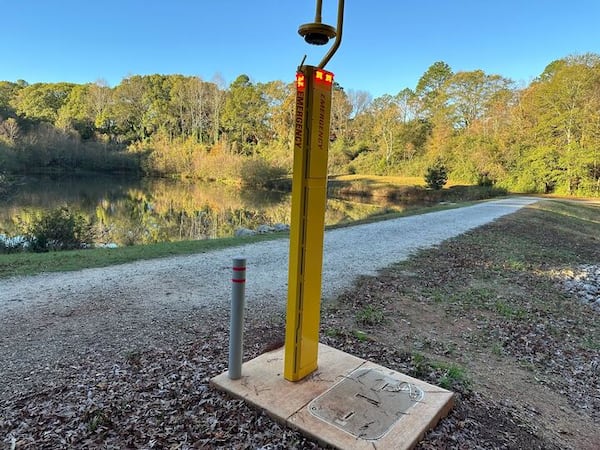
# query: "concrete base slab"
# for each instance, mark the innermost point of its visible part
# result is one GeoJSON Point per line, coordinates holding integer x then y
{"type": "Point", "coordinates": [262, 385]}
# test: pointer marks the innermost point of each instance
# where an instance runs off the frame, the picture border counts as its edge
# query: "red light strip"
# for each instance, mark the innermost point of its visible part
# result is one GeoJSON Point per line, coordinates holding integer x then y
{"type": "Point", "coordinates": [322, 76]}
{"type": "Point", "coordinates": [300, 81]}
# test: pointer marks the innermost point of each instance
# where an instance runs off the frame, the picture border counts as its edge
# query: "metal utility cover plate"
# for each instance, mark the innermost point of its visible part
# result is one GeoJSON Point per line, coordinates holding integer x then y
{"type": "Point", "coordinates": [366, 404]}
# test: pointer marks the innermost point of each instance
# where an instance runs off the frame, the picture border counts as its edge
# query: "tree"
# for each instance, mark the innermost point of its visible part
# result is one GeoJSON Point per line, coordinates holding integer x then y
{"type": "Point", "coordinates": [561, 111]}
{"type": "Point", "coordinates": [10, 129]}
{"type": "Point", "coordinates": [408, 104]}
{"type": "Point", "coordinates": [42, 101]}
{"type": "Point", "coordinates": [244, 114]}
{"type": "Point", "coordinates": [360, 101]}
{"type": "Point", "coordinates": [156, 99]}
{"type": "Point", "coordinates": [196, 111]}
{"type": "Point", "coordinates": [359, 133]}
{"type": "Point", "coordinates": [470, 95]}
{"type": "Point", "coordinates": [436, 176]}
{"type": "Point", "coordinates": [386, 125]}
{"type": "Point", "coordinates": [75, 113]}
{"type": "Point", "coordinates": [8, 91]}
{"type": "Point", "coordinates": [413, 137]}
{"type": "Point", "coordinates": [341, 108]}
{"type": "Point", "coordinates": [281, 99]}
{"type": "Point", "coordinates": [100, 101]}
{"type": "Point", "coordinates": [430, 87]}
{"type": "Point", "coordinates": [217, 99]}
{"type": "Point", "coordinates": [128, 109]}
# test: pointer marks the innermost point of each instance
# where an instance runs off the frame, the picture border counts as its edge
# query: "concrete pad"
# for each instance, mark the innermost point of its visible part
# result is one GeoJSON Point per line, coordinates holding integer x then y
{"type": "Point", "coordinates": [262, 385]}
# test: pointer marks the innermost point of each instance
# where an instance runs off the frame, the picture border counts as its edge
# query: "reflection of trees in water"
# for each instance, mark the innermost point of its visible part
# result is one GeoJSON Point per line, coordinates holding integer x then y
{"type": "Point", "coordinates": [212, 223]}
{"type": "Point", "coordinates": [178, 214]}
{"type": "Point", "coordinates": [130, 212]}
{"type": "Point", "coordinates": [190, 196]}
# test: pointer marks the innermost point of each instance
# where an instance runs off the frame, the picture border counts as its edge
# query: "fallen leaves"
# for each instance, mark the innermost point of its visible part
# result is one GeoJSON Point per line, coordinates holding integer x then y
{"type": "Point", "coordinates": [159, 399]}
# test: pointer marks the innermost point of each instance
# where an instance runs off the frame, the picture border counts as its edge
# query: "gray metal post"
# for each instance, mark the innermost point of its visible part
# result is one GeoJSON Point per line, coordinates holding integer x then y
{"type": "Point", "coordinates": [236, 332]}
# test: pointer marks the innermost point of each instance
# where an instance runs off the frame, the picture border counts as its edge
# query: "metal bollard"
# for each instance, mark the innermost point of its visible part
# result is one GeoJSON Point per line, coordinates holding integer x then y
{"type": "Point", "coordinates": [236, 332]}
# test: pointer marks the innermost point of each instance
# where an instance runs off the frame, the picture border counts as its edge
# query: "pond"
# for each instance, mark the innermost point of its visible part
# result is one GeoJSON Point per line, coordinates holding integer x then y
{"type": "Point", "coordinates": [138, 211]}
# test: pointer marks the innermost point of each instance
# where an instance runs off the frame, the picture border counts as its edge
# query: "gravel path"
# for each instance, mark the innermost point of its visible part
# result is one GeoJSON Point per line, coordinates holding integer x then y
{"type": "Point", "coordinates": [186, 283]}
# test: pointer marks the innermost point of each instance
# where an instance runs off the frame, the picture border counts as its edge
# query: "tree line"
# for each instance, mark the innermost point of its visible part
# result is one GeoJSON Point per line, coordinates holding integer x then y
{"type": "Point", "coordinates": [481, 128]}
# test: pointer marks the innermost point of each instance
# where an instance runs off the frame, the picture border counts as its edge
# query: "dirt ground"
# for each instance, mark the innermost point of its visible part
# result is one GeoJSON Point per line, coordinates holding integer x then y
{"type": "Point", "coordinates": [473, 315]}
{"type": "Point", "coordinates": [497, 327]}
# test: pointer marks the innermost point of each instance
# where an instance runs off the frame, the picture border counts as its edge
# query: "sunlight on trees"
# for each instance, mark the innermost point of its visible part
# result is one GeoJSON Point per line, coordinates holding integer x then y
{"type": "Point", "coordinates": [544, 137]}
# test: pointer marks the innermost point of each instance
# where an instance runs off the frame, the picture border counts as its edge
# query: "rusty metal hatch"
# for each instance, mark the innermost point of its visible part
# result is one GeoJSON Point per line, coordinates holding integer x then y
{"type": "Point", "coordinates": [366, 404]}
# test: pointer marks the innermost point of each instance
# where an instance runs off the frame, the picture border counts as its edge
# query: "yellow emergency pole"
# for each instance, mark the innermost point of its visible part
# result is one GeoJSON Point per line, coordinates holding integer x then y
{"type": "Point", "coordinates": [309, 197]}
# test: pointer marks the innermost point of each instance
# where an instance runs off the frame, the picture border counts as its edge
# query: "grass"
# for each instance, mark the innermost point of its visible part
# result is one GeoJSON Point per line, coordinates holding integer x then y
{"type": "Point", "coordinates": [420, 364]}
{"type": "Point", "coordinates": [360, 335]}
{"type": "Point", "coordinates": [573, 209]}
{"type": "Point", "coordinates": [407, 191]}
{"type": "Point", "coordinates": [515, 265]}
{"type": "Point", "coordinates": [452, 375]}
{"type": "Point", "coordinates": [96, 418]}
{"type": "Point", "coordinates": [504, 274]}
{"type": "Point", "coordinates": [449, 374]}
{"type": "Point", "coordinates": [500, 278]}
{"type": "Point", "coordinates": [591, 343]}
{"type": "Point", "coordinates": [370, 316]}
{"type": "Point", "coordinates": [497, 349]}
{"type": "Point", "coordinates": [333, 332]}
{"type": "Point", "coordinates": [509, 311]}
{"type": "Point", "coordinates": [387, 180]}
{"type": "Point", "coordinates": [26, 263]}
{"type": "Point", "coordinates": [484, 298]}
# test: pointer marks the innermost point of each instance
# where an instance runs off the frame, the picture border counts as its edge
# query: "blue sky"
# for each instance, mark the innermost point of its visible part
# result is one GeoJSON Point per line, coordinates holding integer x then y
{"type": "Point", "coordinates": [387, 44]}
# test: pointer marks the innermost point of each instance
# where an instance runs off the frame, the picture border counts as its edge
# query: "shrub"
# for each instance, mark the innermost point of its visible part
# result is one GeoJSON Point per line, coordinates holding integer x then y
{"type": "Point", "coordinates": [257, 172]}
{"type": "Point", "coordinates": [471, 193]}
{"type": "Point", "coordinates": [484, 180]}
{"type": "Point", "coordinates": [436, 177]}
{"type": "Point", "coordinates": [58, 229]}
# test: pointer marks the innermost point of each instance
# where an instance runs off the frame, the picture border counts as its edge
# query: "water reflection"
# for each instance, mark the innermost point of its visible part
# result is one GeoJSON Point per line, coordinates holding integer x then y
{"type": "Point", "coordinates": [128, 212]}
